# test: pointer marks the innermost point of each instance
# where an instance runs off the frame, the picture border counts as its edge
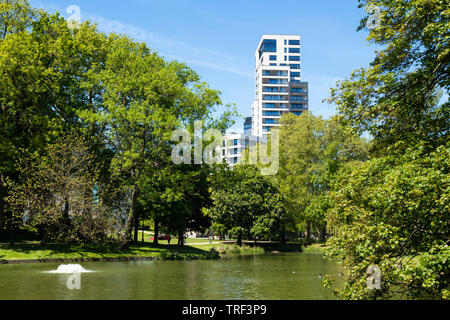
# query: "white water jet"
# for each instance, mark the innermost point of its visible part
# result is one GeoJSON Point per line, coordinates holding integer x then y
{"type": "Point", "coordinates": [69, 269]}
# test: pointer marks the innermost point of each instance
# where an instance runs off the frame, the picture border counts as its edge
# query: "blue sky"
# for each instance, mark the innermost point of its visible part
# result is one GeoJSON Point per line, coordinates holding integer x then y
{"type": "Point", "coordinates": [218, 39]}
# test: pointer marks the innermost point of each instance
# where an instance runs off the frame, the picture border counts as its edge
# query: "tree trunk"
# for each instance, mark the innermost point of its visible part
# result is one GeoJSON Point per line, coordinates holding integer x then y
{"type": "Point", "coordinates": [283, 235]}
{"type": "Point", "coordinates": [2, 201]}
{"type": "Point", "coordinates": [12, 237]}
{"type": "Point", "coordinates": [323, 233]}
{"type": "Point", "coordinates": [180, 238]}
{"type": "Point", "coordinates": [44, 238]}
{"type": "Point", "coordinates": [308, 232]}
{"type": "Point", "coordinates": [155, 236]}
{"type": "Point", "coordinates": [131, 215]}
{"type": "Point", "coordinates": [239, 240]}
{"type": "Point", "coordinates": [136, 229]}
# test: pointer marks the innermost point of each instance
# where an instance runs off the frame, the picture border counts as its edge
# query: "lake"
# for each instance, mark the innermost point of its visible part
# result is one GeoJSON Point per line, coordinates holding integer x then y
{"type": "Point", "coordinates": [285, 276]}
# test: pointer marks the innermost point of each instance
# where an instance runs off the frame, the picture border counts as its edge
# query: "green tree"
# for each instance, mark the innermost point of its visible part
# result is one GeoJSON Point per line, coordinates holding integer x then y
{"type": "Point", "coordinates": [395, 99]}
{"type": "Point", "coordinates": [55, 194]}
{"type": "Point", "coordinates": [392, 211]}
{"type": "Point", "coordinates": [246, 203]}
{"type": "Point", "coordinates": [394, 214]}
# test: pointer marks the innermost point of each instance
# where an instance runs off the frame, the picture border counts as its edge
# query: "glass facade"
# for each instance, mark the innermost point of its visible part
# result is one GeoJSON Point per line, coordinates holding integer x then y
{"type": "Point", "coordinates": [272, 113]}
{"type": "Point", "coordinates": [270, 121]}
{"type": "Point", "coordinates": [268, 45]}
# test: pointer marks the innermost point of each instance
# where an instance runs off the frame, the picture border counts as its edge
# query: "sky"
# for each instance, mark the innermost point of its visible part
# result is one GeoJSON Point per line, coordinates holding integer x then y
{"type": "Point", "coordinates": [218, 39]}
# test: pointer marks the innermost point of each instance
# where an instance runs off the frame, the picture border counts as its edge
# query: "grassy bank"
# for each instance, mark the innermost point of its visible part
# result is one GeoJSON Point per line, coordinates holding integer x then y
{"type": "Point", "coordinates": [318, 248]}
{"type": "Point", "coordinates": [32, 251]}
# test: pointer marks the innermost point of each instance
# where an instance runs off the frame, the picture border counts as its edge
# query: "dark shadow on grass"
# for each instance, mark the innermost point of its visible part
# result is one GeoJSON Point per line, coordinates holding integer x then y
{"type": "Point", "coordinates": [114, 250]}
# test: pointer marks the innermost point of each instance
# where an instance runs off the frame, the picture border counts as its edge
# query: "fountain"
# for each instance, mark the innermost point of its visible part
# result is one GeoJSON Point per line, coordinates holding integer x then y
{"type": "Point", "coordinates": [70, 269]}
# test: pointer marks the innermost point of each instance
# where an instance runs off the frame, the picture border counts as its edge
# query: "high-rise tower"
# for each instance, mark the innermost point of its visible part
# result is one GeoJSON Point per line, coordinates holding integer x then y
{"type": "Point", "coordinates": [279, 88]}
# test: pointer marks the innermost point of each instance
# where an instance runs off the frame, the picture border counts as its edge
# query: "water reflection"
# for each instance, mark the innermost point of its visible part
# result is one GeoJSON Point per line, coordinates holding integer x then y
{"type": "Point", "coordinates": [282, 276]}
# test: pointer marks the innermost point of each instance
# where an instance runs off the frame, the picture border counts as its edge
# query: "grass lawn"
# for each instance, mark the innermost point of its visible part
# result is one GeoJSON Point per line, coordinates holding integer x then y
{"type": "Point", "coordinates": [315, 248]}
{"type": "Point", "coordinates": [194, 249]}
{"type": "Point", "coordinates": [33, 251]}
{"type": "Point", "coordinates": [174, 240]}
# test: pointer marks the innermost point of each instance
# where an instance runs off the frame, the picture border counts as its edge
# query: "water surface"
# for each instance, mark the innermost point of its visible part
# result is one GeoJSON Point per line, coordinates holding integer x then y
{"type": "Point", "coordinates": [271, 276]}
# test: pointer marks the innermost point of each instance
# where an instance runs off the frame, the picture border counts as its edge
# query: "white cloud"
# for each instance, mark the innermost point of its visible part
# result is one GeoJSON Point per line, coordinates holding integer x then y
{"type": "Point", "coordinates": [194, 56]}
{"type": "Point", "coordinates": [171, 49]}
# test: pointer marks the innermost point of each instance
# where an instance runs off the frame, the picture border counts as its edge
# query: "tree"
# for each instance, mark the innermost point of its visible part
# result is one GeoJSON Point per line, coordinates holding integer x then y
{"type": "Point", "coordinates": [55, 194]}
{"type": "Point", "coordinates": [311, 152]}
{"type": "Point", "coordinates": [392, 211]}
{"type": "Point", "coordinates": [394, 214]}
{"type": "Point", "coordinates": [177, 197]}
{"type": "Point", "coordinates": [246, 203]}
{"type": "Point", "coordinates": [43, 67]}
{"type": "Point", "coordinates": [144, 100]}
{"type": "Point", "coordinates": [395, 99]}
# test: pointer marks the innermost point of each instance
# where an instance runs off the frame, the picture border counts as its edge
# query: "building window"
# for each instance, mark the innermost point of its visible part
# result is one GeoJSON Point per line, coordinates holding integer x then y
{"type": "Point", "coordinates": [270, 121]}
{"type": "Point", "coordinates": [294, 58]}
{"type": "Point", "coordinates": [235, 160]}
{"type": "Point", "coordinates": [235, 142]}
{"type": "Point", "coordinates": [268, 45]}
{"type": "Point", "coordinates": [297, 98]}
{"type": "Point", "coordinates": [295, 74]}
{"type": "Point", "coordinates": [297, 90]}
{"type": "Point", "coordinates": [277, 98]}
{"type": "Point", "coordinates": [277, 81]}
{"type": "Point", "coordinates": [268, 105]}
{"type": "Point", "coordinates": [297, 113]}
{"type": "Point", "coordinates": [266, 73]}
{"type": "Point", "coordinates": [294, 66]}
{"type": "Point", "coordinates": [285, 42]}
{"type": "Point", "coordinates": [271, 113]}
{"type": "Point", "coordinates": [273, 58]}
{"type": "Point", "coordinates": [294, 42]}
{"type": "Point", "coordinates": [235, 151]}
{"type": "Point", "coordinates": [294, 50]}
{"type": "Point", "coordinates": [297, 106]}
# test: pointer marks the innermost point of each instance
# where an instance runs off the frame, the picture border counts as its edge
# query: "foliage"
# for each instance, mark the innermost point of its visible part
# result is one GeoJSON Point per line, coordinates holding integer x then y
{"type": "Point", "coordinates": [393, 210]}
{"type": "Point", "coordinates": [312, 151]}
{"type": "Point", "coordinates": [55, 194]}
{"type": "Point", "coordinates": [396, 216]}
{"type": "Point", "coordinates": [246, 203]}
{"type": "Point", "coordinates": [396, 100]}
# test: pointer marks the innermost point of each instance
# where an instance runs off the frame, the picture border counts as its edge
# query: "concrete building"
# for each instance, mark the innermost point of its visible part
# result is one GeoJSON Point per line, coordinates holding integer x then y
{"type": "Point", "coordinates": [235, 144]}
{"type": "Point", "coordinates": [279, 88]}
